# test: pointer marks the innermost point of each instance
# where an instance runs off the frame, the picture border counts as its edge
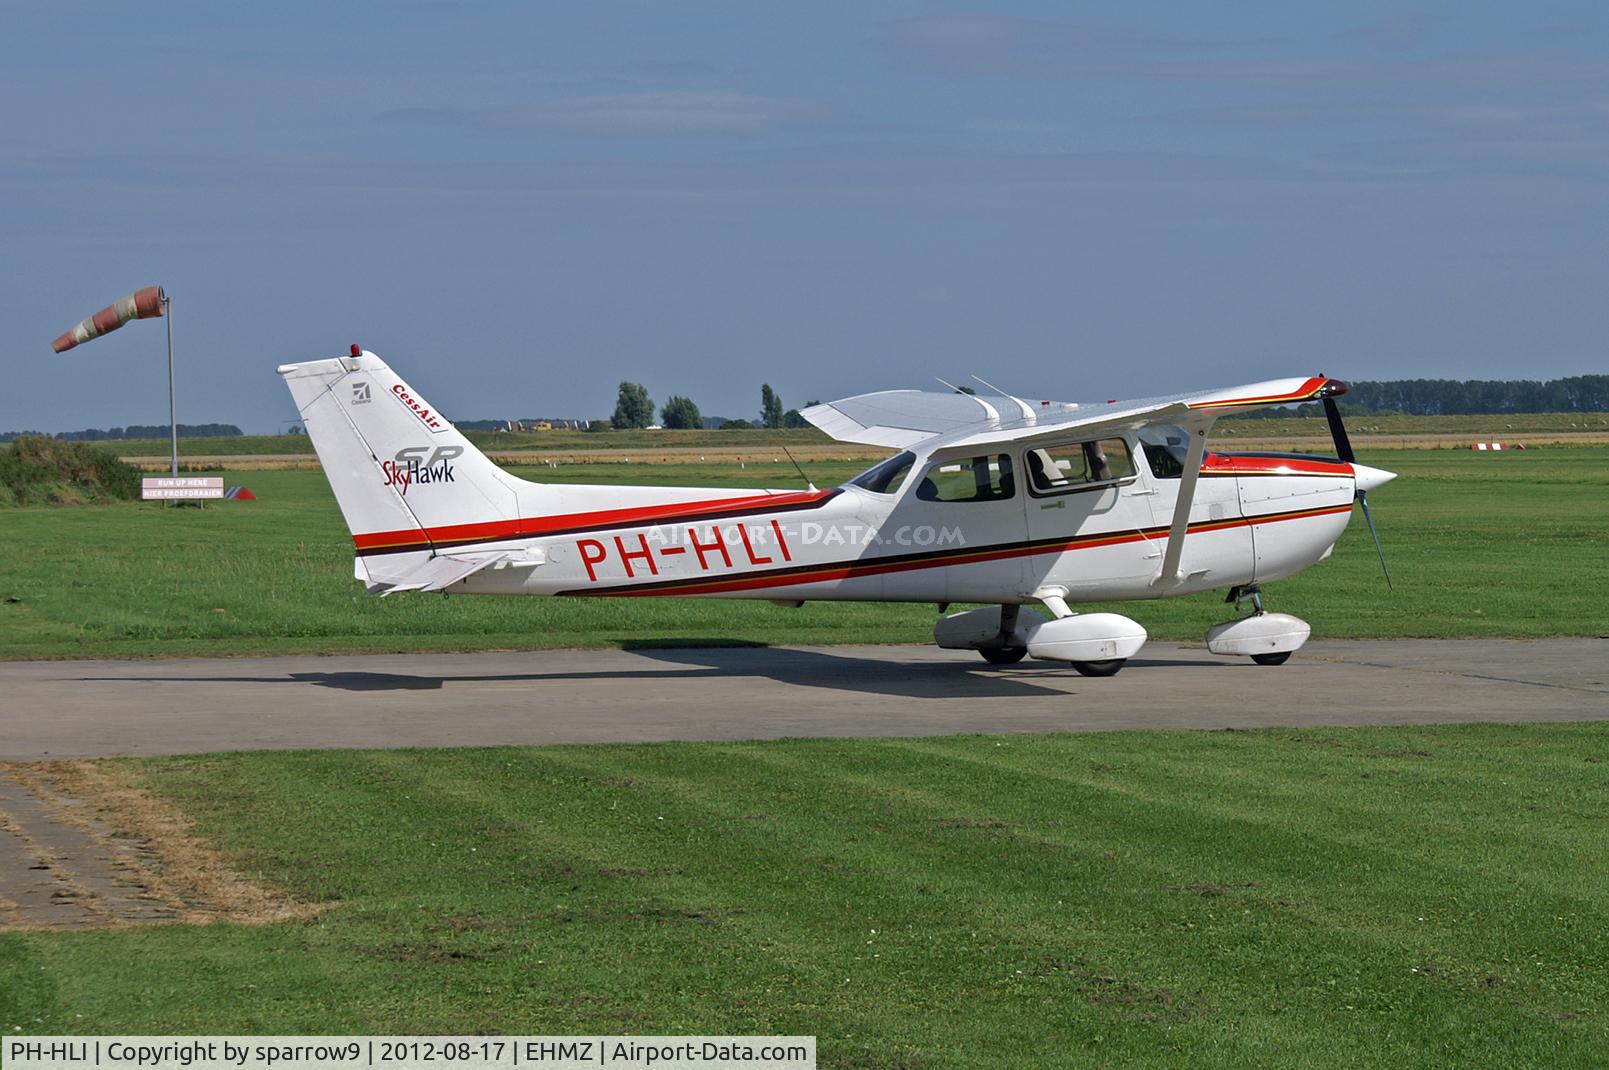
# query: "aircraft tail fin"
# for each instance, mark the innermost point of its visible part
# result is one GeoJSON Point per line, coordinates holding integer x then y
{"type": "Point", "coordinates": [405, 478]}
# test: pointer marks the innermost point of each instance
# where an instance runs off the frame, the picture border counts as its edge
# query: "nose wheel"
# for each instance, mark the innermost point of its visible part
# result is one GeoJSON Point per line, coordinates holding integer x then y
{"type": "Point", "coordinates": [1267, 638]}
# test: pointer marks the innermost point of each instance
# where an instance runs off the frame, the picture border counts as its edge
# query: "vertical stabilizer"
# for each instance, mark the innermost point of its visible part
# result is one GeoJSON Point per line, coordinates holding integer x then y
{"type": "Point", "coordinates": [401, 472]}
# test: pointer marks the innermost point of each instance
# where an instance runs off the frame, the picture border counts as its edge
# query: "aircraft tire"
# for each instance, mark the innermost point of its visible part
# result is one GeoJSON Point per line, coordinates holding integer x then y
{"type": "Point", "coordinates": [1004, 655]}
{"type": "Point", "coordinates": [1277, 658]}
{"type": "Point", "coordinates": [1108, 667]}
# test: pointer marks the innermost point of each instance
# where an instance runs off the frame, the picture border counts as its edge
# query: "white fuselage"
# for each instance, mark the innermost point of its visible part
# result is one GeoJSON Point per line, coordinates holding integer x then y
{"type": "Point", "coordinates": [1255, 518]}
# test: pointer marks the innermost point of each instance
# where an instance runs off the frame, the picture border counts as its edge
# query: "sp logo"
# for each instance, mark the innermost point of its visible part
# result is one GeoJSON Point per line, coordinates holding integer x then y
{"type": "Point", "coordinates": [420, 464]}
{"type": "Point", "coordinates": [418, 454]}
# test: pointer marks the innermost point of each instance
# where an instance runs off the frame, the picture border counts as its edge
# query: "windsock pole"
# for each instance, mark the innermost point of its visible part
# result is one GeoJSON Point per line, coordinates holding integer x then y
{"type": "Point", "coordinates": [173, 412]}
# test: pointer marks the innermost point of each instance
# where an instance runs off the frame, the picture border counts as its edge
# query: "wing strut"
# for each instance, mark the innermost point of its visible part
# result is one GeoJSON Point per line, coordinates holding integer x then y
{"type": "Point", "coordinates": [1170, 576]}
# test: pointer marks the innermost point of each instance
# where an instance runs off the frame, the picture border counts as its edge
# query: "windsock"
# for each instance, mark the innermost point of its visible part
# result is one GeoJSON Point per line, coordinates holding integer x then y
{"type": "Point", "coordinates": [139, 305]}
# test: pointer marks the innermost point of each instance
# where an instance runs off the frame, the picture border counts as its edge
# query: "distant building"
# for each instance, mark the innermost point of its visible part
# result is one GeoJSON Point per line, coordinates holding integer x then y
{"type": "Point", "coordinates": [532, 423]}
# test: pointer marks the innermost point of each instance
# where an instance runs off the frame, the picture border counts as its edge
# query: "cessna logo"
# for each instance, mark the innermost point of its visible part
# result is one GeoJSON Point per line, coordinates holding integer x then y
{"type": "Point", "coordinates": [426, 417]}
{"type": "Point", "coordinates": [420, 464]}
{"type": "Point", "coordinates": [360, 393]}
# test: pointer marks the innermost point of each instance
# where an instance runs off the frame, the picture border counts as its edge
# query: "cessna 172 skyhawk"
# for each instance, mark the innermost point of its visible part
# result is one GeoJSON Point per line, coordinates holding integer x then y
{"type": "Point", "coordinates": [989, 499]}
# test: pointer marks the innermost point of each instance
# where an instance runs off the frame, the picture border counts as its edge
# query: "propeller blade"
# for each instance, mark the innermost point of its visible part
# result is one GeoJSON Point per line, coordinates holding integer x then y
{"type": "Point", "coordinates": [1343, 444]}
{"type": "Point", "coordinates": [1363, 500]}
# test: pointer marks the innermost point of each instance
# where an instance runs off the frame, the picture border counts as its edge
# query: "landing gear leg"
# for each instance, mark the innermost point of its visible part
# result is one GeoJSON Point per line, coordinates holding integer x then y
{"type": "Point", "coordinates": [1251, 593]}
{"type": "Point", "coordinates": [1005, 655]}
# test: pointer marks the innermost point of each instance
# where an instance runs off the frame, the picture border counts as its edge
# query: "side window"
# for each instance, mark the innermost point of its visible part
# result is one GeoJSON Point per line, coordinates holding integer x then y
{"type": "Point", "coordinates": [1055, 469]}
{"type": "Point", "coordinates": [974, 479]}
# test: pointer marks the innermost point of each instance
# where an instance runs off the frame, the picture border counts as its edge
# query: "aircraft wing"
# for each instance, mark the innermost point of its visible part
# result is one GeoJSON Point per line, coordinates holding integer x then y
{"type": "Point", "coordinates": [902, 418]}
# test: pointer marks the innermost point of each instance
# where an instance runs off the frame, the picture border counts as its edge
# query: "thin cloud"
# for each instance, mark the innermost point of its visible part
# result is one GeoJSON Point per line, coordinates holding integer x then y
{"type": "Point", "coordinates": [663, 113]}
{"type": "Point", "coordinates": [1398, 34]}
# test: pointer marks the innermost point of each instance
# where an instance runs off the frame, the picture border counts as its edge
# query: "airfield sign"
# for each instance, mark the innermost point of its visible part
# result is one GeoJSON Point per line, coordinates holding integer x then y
{"type": "Point", "coordinates": [181, 488]}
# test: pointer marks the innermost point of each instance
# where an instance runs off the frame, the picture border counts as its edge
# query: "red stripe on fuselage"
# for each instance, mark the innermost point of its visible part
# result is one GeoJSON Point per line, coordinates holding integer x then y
{"type": "Point", "coordinates": [417, 538]}
{"type": "Point", "coordinates": [1272, 464]}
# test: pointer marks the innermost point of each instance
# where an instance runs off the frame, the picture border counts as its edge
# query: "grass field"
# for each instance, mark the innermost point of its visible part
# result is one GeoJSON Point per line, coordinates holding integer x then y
{"type": "Point", "coordinates": [1499, 426]}
{"type": "Point", "coordinates": [1349, 897]}
{"type": "Point", "coordinates": [1479, 545]}
{"type": "Point", "coordinates": [488, 440]}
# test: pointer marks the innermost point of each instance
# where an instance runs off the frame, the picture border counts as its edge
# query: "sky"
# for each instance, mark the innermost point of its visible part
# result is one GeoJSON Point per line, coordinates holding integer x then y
{"type": "Point", "coordinates": [519, 205]}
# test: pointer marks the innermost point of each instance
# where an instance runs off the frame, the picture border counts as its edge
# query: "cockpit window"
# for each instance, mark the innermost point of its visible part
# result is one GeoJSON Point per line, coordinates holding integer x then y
{"type": "Point", "coordinates": [1165, 446]}
{"type": "Point", "coordinates": [1057, 469]}
{"type": "Point", "coordinates": [972, 479]}
{"type": "Point", "coordinates": [887, 477]}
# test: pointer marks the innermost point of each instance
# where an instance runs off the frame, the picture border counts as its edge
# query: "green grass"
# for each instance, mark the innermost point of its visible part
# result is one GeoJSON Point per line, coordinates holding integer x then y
{"type": "Point", "coordinates": [1291, 898]}
{"type": "Point", "coordinates": [1479, 545]}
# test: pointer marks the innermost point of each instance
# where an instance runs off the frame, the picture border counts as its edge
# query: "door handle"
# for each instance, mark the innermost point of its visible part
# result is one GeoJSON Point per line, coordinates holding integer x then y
{"type": "Point", "coordinates": [1053, 505]}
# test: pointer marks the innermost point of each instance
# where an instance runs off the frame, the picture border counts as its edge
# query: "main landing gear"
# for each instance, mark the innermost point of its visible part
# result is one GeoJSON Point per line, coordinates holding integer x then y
{"type": "Point", "coordinates": [1003, 655]}
{"type": "Point", "coordinates": [1094, 644]}
{"type": "Point", "coordinates": [1267, 638]}
{"type": "Point", "coordinates": [1108, 667]}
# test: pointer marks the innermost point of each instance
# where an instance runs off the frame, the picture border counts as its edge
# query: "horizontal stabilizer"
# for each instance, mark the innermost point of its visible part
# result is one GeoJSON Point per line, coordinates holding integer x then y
{"type": "Point", "coordinates": [441, 571]}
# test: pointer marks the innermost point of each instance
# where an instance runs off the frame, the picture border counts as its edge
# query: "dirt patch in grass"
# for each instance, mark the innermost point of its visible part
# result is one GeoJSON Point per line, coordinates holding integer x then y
{"type": "Point", "coordinates": [1145, 1003]}
{"type": "Point", "coordinates": [433, 953]}
{"type": "Point", "coordinates": [95, 850]}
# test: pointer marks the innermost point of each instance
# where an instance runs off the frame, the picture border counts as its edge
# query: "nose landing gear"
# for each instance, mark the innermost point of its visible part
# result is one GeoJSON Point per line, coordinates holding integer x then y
{"type": "Point", "coordinates": [1267, 638]}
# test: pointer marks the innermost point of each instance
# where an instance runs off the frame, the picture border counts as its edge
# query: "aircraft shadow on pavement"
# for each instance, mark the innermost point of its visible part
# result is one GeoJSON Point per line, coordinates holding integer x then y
{"type": "Point", "coordinates": [891, 675]}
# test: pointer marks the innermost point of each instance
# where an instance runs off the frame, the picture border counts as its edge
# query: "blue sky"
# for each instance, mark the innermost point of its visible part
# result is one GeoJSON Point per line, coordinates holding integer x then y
{"type": "Point", "coordinates": [519, 205]}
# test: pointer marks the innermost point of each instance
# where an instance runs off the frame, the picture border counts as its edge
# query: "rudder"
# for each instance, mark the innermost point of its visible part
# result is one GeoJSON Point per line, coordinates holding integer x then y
{"type": "Point", "coordinates": [400, 471]}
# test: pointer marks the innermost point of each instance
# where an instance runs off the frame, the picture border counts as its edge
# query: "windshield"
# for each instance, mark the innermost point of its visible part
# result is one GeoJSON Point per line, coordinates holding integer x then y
{"type": "Point", "coordinates": [1165, 446]}
{"type": "Point", "coordinates": [887, 477]}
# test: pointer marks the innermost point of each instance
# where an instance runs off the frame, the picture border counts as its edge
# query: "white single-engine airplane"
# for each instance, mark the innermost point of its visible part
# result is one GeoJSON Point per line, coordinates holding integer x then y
{"type": "Point", "coordinates": [990, 499]}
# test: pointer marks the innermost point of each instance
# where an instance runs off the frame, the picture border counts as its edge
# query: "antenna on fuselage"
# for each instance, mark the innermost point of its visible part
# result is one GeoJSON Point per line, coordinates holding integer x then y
{"type": "Point", "coordinates": [809, 485]}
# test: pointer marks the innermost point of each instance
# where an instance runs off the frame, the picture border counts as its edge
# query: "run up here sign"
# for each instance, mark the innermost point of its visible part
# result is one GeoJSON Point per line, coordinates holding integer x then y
{"type": "Point", "coordinates": [181, 488]}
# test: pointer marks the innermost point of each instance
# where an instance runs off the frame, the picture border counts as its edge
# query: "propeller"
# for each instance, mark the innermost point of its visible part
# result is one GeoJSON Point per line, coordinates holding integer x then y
{"type": "Point", "coordinates": [1343, 450]}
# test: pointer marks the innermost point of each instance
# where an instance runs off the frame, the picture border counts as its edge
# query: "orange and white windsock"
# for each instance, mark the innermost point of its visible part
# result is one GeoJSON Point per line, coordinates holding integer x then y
{"type": "Point", "coordinates": [139, 305]}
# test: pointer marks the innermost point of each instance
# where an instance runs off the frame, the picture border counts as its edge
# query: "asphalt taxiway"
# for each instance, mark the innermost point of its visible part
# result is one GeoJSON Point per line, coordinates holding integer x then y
{"type": "Point", "coordinates": [95, 708]}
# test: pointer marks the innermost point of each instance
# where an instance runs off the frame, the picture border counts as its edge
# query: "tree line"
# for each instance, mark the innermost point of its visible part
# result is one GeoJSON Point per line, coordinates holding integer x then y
{"type": "Point", "coordinates": [1414, 397]}
{"type": "Point", "coordinates": [634, 408]}
{"type": "Point", "coordinates": [1464, 397]}
{"type": "Point", "coordinates": [113, 434]}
